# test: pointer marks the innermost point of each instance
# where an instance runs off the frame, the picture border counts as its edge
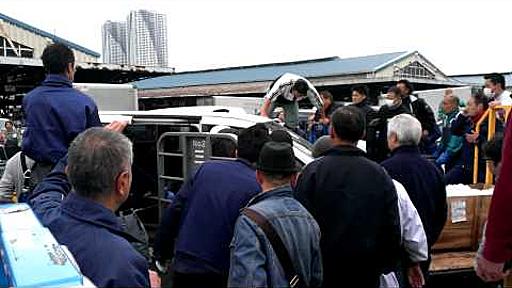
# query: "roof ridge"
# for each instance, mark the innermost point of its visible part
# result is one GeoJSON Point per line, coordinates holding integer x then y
{"type": "Point", "coordinates": [378, 54]}
{"type": "Point", "coordinates": [260, 65]}
{"type": "Point", "coordinates": [306, 61]}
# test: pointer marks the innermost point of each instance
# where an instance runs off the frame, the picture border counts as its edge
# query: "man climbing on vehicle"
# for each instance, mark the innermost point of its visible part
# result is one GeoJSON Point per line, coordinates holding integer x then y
{"type": "Point", "coordinates": [286, 92]}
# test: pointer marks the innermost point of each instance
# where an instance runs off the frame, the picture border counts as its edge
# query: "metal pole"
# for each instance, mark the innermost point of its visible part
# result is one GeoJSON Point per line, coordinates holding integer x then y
{"type": "Point", "coordinates": [475, 160]}
{"type": "Point", "coordinates": [490, 134]}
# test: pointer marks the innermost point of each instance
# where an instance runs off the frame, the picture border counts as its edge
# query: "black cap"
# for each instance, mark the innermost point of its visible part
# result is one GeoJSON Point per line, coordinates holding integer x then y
{"type": "Point", "coordinates": [281, 136]}
{"type": "Point", "coordinates": [277, 157]}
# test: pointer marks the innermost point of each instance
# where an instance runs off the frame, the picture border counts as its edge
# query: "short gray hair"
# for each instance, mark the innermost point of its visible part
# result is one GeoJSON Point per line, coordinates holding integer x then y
{"type": "Point", "coordinates": [322, 145]}
{"type": "Point", "coordinates": [406, 128]}
{"type": "Point", "coordinates": [95, 159]}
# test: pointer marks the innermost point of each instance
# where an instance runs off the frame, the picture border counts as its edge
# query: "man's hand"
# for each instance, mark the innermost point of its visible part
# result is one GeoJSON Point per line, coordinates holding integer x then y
{"type": "Point", "coordinates": [117, 126]}
{"type": "Point", "coordinates": [415, 276]}
{"type": "Point", "coordinates": [154, 279]}
{"type": "Point", "coordinates": [489, 271]}
{"type": "Point", "coordinates": [473, 137]}
{"type": "Point", "coordinates": [425, 134]}
{"type": "Point", "coordinates": [494, 104]}
{"type": "Point", "coordinates": [325, 121]}
{"type": "Point", "coordinates": [265, 107]}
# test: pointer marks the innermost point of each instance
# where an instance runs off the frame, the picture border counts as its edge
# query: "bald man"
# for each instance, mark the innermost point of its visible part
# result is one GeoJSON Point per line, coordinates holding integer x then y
{"type": "Point", "coordinates": [450, 144]}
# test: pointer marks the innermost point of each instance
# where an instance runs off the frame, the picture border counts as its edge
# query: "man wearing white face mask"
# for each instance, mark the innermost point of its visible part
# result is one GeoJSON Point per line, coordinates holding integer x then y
{"type": "Point", "coordinates": [495, 90]}
{"type": "Point", "coordinates": [393, 104]}
{"type": "Point", "coordinates": [376, 145]}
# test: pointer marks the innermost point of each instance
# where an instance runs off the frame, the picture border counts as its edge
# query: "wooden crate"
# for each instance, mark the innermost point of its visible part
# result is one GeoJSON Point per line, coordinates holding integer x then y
{"type": "Point", "coordinates": [443, 262]}
{"type": "Point", "coordinates": [463, 229]}
{"type": "Point", "coordinates": [483, 211]}
{"type": "Point", "coordinates": [458, 231]}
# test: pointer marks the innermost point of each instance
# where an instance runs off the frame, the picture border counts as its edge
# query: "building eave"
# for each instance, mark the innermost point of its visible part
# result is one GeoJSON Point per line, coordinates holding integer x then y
{"type": "Point", "coordinates": [54, 38]}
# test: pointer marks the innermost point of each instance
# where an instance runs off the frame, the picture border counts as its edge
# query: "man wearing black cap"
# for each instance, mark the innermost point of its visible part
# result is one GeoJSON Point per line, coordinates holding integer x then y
{"type": "Point", "coordinates": [355, 203]}
{"type": "Point", "coordinates": [276, 241]}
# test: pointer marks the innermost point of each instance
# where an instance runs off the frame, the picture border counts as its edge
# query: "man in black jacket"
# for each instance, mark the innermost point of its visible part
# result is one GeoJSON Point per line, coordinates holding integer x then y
{"type": "Point", "coordinates": [360, 94]}
{"type": "Point", "coordinates": [376, 130]}
{"type": "Point", "coordinates": [358, 218]}
{"type": "Point", "coordinates": [422, 180]}
{"type": "Point", "coordinates": [423, 112]}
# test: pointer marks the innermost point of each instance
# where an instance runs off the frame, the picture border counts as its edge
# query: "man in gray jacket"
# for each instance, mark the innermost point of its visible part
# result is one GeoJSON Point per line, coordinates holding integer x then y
{"type": "Point", "coordinates": [13, 180]}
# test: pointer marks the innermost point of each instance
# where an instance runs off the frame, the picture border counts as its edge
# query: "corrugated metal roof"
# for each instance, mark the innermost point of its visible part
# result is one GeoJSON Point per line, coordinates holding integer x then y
{"type": "Point", "coordinates": [332, 66]}
{"type": "Point", "coordinates": [478, 79]}
{"type": "Point", "coordinates": [42, 33]}
{"type": "Point", "coordinates": [470, 79]}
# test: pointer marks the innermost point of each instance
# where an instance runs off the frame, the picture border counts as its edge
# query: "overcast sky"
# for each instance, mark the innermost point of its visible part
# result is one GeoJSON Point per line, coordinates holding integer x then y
{"type": "Point", "coordinates": [458, 36]}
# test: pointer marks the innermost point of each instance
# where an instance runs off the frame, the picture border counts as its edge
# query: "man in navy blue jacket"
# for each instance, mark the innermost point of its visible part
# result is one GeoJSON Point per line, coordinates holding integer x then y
{"type": "Point", "coordinates": [55, 112]}
{"type": "Point", "coordinates": [201, 220]}
{"type": "Point", "coordinates": [421, 178]}
{"type": "Point", "coordinates": [99, 172]}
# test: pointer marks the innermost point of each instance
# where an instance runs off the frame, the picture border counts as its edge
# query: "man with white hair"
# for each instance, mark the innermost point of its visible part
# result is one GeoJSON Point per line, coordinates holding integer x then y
{"type": "Point", "coordinates": [422, 179]}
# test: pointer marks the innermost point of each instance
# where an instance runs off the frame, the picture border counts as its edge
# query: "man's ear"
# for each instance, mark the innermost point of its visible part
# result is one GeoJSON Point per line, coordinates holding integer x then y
{"type": "Point", "coordinates": [294, 179]}
{"type": "Point", "coordinates": [392, 139]}
{"type": "Point", "coordinates": [123, 183]}
{"type": "Point", "coordinates": [70, 71]}
{"type": "Point", "coordinates": [332, 133]}
{"type": "Point", "coordinates": [259, 177]}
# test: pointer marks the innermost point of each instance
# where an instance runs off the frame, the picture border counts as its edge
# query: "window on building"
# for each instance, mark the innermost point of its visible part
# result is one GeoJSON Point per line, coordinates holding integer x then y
{"type": "Point", "coordinates": [414, 70]}
{"type": "Point", "coordinates": [13, 49]}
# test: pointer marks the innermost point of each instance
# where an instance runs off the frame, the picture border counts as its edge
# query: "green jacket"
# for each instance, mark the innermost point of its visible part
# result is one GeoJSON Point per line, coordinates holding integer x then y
{"type": "Point", "coordinates": [450, 144]}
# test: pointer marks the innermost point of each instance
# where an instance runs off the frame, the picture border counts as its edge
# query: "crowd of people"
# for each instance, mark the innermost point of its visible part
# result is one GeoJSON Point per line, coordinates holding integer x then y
{"type": "Point", "coordinates": [418, 152]}
{"type": "Point", "coordinates": [448, 141]}
{"type": "Point", "coordinates": [260, 221]}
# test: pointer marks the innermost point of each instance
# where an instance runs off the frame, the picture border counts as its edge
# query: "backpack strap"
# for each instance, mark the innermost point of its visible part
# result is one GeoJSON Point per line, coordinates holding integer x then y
{"type": "Point", "coordinates": [277, 244]}
{"type": "Point", "coordinates": [23, 159]}
{"type": "Point", "coordinates": [27, 173]}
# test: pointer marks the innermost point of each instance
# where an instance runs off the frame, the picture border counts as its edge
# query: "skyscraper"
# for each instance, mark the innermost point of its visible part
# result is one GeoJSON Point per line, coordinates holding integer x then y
{"type": "Point", "coordinates": [114, 40]}
{"type": "Point", "coordinates": [147, 38]}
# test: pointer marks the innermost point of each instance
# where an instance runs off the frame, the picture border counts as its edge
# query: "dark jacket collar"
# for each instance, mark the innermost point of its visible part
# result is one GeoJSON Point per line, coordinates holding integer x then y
{"type": "Point", "coordinates": [246, 163]}
{"type": "Point", "coordinates": [363, 103]}
{"type": "Point", "coordinates": [283, 191]}
{"type": "Point", "coordinates": [453, 113]}
{"type": "Point", "coordinates": [57, 80]}
{"type": "Point", "coordinates": [89, 211]}
{"type": "Point", "coordinates": [406, 149]}
{"type": "Point", "coordinates": [345, 150]}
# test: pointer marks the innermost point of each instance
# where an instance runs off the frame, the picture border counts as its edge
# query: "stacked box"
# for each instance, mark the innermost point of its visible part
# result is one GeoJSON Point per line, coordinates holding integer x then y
{"type": "Point", "coordinates": [467, 214]}
{"type": "Point", "coordinates": [31, 257]}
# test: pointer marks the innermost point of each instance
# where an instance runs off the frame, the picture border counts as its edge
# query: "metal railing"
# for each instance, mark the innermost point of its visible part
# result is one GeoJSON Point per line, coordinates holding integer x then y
{"type": "Point", "coordinates": [490, 116]}
{"type": "Point", "coordinates": [190, 149]}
